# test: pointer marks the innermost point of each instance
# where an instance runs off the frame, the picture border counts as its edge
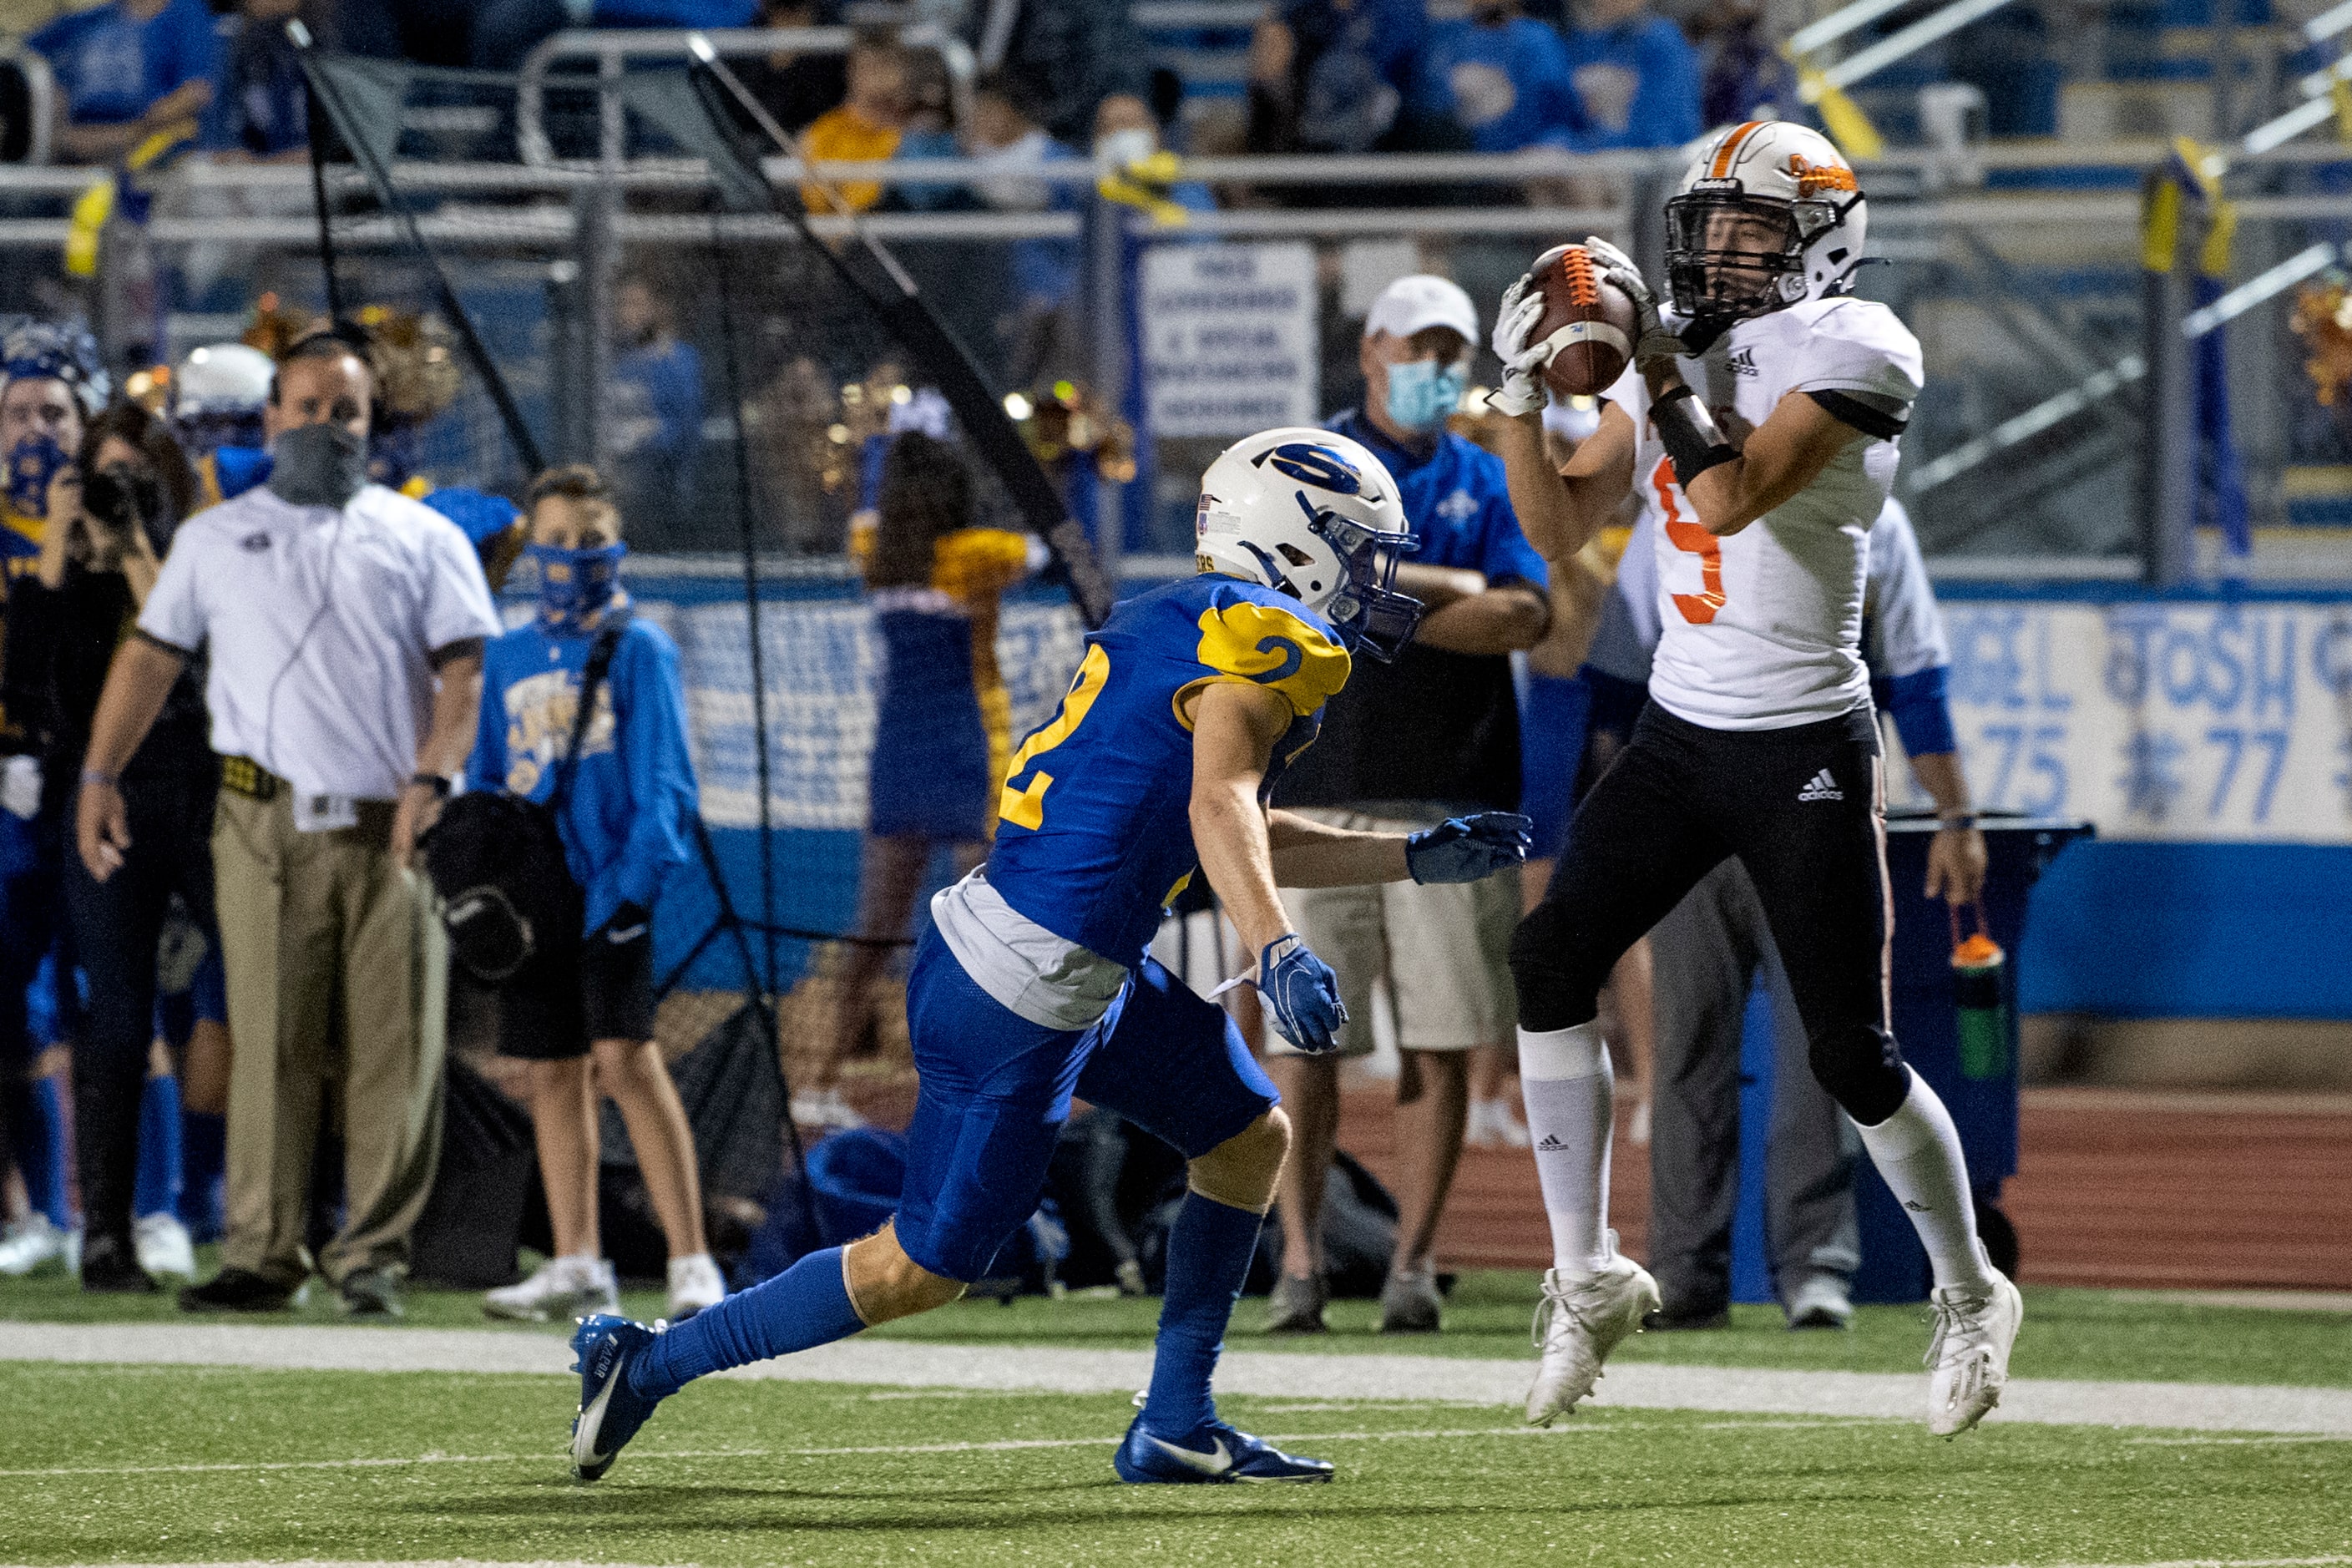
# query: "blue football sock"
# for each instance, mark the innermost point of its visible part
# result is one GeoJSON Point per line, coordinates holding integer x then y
{"type": "Point", "coordinates": [204, 1167]}
{"type": "Point", "coordinates": [36, 1126]}
{"type": "Point", "coordinates": [806, 1305]}
{"type": "Point", "coordinates": [1209, 1256]}
{"type": "Point", "coordinates": [155, 1189]}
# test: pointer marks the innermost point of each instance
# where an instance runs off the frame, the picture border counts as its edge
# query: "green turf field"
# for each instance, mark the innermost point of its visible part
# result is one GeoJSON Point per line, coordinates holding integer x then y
{"type": "Point", "coordinates": [156, 1465]}
{"type": "Point", "coordinates": [150, 1464]}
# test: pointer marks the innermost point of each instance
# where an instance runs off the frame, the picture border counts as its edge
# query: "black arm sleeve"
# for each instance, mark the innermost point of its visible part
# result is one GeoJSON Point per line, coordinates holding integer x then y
{"type": "Point", "coordinates": [1880, 423]}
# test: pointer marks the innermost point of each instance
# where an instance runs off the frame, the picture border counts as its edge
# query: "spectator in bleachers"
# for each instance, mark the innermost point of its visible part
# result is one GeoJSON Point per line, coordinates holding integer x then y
{"type": "Point", "coordinates": [1330, 76]}
{"type": "Point", "coordinates": [344, 625]}
{"type": "Point", "coordinates": [1637, 77]}
{"type": "Point", "coordinates": [1503, 77]}
{"type": "Point", "coordinates": [865, 126]}
{"type": "Point", "coordinates": [624, 822]}
{"type": "Point", "coordinates": [1743, 76]}
{"type": "Point", "coordinates": [111, 520]}
{"type": "Point", "coordinates": [654, 407]}
{"type": "Point", "coordinates": [1066, 56]}
{"type": "Point", "coordinates": [261, 108]}
{"type": "Point", "coordinates": [49, 385]}
{"type": "Point", "coordinates": [1006, 138]}
{"type": "Point", "coordinates": [794, 88]}
{"type": "Point", "coordinates": [126, 71]}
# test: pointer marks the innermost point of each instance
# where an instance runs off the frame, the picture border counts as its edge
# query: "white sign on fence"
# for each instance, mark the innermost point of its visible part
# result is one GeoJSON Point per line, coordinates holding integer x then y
{"type": "Point", "coordinates": [1229, 342]}
{"type": "Point", "coordinates": [2175, 721]}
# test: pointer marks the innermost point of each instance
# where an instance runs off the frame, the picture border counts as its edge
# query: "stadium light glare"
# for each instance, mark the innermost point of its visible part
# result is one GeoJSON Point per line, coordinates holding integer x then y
{"type": "Point", "coordinates": [1017, 407]}
{"type": "Point", "coordinates": [700, 48]}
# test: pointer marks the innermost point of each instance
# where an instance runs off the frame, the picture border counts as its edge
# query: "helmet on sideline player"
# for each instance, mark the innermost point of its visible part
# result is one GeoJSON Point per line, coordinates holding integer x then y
{"type": "Point", "coordinates": [218, 396]}
{"type": "Point", "coordinates": [1768, 214]}
{"type": "Point", "coordinates": [1315, 516]}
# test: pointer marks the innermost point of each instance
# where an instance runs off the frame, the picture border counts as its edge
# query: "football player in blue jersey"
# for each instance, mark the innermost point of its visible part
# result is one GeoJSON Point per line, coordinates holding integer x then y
{"type": "Point", "coordinates": [1034, 986]}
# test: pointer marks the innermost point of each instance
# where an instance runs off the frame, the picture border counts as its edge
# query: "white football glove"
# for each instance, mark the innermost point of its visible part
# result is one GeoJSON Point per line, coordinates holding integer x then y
{"type": "Point", "coordinates": [20, 787]}
{"type": "Point", "coordinates": [1524, 358]}
{"type": "Point", "coordinates": [1654, 341]}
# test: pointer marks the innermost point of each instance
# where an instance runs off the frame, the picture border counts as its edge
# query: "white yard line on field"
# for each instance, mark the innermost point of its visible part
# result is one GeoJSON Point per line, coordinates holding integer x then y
{"type": "Point", "coordinates": [1734, 1391]}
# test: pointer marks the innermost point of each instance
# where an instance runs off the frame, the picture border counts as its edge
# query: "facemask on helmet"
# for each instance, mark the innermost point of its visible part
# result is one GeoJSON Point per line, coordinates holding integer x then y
{"type": "Point", "coordinates": [1315, 516]}
{"type": "Point", "coordinates": [1768, 216]}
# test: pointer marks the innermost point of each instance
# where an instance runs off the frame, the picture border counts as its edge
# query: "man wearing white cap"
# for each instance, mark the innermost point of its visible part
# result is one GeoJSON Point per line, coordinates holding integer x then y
{"type": "Point", "coordinates": [1408, 745]}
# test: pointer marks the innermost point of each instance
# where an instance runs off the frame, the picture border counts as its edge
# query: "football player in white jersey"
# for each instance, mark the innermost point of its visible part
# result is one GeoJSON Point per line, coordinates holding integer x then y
{"type": "Point", "coordinates": [1760, 426]}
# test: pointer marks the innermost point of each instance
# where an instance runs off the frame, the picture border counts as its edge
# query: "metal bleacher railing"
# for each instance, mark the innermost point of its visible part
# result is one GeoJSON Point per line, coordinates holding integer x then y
{"type": "Point", "coordinates": [2022, 277]}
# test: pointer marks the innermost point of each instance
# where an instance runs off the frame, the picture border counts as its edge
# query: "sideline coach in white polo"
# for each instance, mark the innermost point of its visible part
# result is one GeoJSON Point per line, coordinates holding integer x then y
{"type": "Point", "coordinates": [345, 625]}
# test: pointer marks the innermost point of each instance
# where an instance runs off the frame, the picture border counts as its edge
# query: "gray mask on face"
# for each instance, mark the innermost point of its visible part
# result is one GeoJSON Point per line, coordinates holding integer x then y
{"type": "Point", "coordinates": [316, 464]}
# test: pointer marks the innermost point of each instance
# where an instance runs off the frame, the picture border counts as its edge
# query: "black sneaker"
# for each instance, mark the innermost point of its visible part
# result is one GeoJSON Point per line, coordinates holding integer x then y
{"type": "Point", "coordinates": [370, 1293]}
{"type": "Point", "coordinates": [1681, 1318]}
{"type": "Point", "coordinates": [108, 1263]}
{"type": "Point", "coordinates": [237, 1290]}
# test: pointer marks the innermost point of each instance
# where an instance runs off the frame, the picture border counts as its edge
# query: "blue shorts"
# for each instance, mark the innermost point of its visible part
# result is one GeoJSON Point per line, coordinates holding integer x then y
{"type": "Point", "coordinates": [996, 1090]}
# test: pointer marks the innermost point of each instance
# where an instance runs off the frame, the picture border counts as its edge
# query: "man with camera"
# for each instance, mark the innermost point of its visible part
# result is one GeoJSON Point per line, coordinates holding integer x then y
{"type": "Point", "coordinates": [345, 625]}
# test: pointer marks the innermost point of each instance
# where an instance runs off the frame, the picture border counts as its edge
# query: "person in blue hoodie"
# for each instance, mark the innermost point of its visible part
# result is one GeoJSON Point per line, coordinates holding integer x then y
{"type": "Point", "coordinates": [1503, 77]}
{"type": "Point", "coordinates": [1636, 74]}
{"type": "Point", "coordinates": [623, 826]}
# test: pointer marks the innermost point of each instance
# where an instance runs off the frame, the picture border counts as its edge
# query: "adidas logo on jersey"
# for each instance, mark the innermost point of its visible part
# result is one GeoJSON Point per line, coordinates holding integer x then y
{"type": "Point", "coordinates": [1550, 1144]}
{"type": "Point", "coordinates": [1743, 363]}
{"type": "Point", "coordinates": [1820, 786]}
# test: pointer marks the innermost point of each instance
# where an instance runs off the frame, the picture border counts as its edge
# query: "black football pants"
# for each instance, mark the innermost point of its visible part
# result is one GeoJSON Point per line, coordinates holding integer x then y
{"type": "Point", "coordinates": [1803, 809]}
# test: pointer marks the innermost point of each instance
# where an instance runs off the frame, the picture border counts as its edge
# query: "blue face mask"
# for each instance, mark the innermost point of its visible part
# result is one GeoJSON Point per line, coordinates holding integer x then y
{"type": "Point", "coordinates": [1420, 394]}
{"type": "Point", "coordinates": [31, 466]}
{"type": "Point", "coordinates": [575, 584]}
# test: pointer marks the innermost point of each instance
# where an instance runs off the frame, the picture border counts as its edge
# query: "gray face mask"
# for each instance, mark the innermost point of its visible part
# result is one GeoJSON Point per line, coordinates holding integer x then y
{"type": "Point", "coordinates": [316, 464]}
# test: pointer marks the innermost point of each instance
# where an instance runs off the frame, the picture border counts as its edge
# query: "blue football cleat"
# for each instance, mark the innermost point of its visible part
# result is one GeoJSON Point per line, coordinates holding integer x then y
{"type": "Point", "coordinates": [1212, 1451]}
{"type": "Point", "coordinates": [610, 1410]}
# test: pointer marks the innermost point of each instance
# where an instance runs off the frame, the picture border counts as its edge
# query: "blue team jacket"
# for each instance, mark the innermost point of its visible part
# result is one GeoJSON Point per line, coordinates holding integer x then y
{"type": "Point", "coordinates": [626, 822]}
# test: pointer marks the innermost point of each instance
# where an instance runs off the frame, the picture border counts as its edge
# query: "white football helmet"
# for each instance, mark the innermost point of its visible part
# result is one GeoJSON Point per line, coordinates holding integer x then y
{"type": "Point", "coordinates": [1313, 515]}
{"type": "Point", "coordinates": [1768, 214]}
{"type": "Point", "coordinates": [219, 395]}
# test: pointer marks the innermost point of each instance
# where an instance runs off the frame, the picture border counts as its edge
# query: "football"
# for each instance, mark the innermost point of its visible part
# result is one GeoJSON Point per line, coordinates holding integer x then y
{"type": "Point", "coordinates": [1592, 323]}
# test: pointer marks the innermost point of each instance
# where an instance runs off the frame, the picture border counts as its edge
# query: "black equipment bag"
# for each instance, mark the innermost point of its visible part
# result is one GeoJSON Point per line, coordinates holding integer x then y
{"type": "Point", "coordinates": [497, 860]}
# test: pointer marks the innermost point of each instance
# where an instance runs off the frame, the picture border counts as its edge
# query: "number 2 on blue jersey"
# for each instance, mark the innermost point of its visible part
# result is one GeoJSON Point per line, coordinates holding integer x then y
{"type": "Point", "coordinates": [1024, 805]}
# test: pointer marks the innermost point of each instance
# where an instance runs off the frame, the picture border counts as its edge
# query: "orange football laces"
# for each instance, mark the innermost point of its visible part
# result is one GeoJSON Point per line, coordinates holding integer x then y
{"type": "Point", "coordinates": [1576, 266]}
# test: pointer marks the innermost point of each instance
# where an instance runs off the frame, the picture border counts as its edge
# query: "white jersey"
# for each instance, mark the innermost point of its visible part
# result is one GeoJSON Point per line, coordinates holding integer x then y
{"type": "Point", "coordinates": [1762, 630]}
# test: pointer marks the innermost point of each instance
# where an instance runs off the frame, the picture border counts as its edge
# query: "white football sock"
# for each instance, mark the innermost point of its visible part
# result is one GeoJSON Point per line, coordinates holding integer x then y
{"type": "Point", "coordinates": [1918, 1152]}
{"type": "Point", "coordinates": [1564, 1078]}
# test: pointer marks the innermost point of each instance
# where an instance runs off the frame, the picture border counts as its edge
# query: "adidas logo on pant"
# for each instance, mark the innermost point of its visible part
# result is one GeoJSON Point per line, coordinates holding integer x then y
{"type": "Point", "coordinates": [1550, 1144]}
{"type": "Point", "coordinates": [1820, 786]}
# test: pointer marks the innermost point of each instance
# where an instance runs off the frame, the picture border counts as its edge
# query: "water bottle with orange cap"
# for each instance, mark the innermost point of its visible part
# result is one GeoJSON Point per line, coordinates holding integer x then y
{"type": "Point", "coordinates": [1983, 1009]}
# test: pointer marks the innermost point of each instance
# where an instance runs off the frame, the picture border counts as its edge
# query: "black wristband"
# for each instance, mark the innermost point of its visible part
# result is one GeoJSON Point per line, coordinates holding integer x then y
{"type": "Point", "coordinates": [434, 782]}
{"type": "Point", "coordinates": [1689, 434]}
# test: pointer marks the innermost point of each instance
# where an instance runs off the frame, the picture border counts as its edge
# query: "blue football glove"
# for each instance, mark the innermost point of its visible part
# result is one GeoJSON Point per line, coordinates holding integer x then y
{"type": "Point", "coordinates": [1465, 848]}
{"type": "Point", "coordinates": [1302, 994]}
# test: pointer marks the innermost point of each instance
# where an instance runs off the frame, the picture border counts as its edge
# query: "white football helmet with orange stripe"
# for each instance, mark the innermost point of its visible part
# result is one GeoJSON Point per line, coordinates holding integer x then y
{"type": "Point", "coordinates": [1768, 214]}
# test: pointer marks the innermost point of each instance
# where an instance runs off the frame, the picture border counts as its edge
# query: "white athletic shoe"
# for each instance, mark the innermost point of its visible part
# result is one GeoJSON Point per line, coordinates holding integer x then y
{"type": "Point", "coordinates": [162, 1245]}
{"type": "Point", "coordinates": [694, 1283]}
{"type": "Point", "coordinates": [1821, 1302]}
{"type": "Point", "coordinates": [1580, 1321]}
{"type": "Point", "coordinates": [825, 1108]}
{"type": "Point", "coordinates": [1975, 1327]}
{"type": "Point", "coordinates": [1495, 1124]}
{"type": "Point", "coordinates": [34, 1245]}
{"type": "Point", "coordinates": [560, 1288]}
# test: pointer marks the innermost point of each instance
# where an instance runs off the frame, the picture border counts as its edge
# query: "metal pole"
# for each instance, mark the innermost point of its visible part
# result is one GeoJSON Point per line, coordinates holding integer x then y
{"type": "Point", "coordinates": [2174, 230]}
{"type": "Point", "coordinates": [600, 260]}
{"type": "Point", "coordinates": [1106, 349]}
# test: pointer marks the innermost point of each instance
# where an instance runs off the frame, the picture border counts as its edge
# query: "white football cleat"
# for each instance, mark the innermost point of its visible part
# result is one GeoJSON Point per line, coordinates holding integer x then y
{"type": "Point", "coordinates": [559, 1287]}
{"type": "Point", "coordinates": [1580, 1321]}
{"type": "Point", "coordinates": [33, 1245]}
{"type": "Point", "coordinates": [694, 1283]}
{"type": "Point", "coordinates": [825, 1108]}
{"type": "Point", "coordinates": [1975, 1327]}
{"type": "Point", "coordinates": [161, 1244]}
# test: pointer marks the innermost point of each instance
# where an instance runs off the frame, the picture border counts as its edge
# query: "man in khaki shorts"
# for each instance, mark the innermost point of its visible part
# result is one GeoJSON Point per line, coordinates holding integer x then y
{"type": "Point", "coordinates": [1405, 746]}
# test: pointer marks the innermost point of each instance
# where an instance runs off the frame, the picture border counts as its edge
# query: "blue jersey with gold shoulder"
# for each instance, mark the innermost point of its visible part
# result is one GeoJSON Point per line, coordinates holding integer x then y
{"type": "Point", "coordinates": [1096, 835]}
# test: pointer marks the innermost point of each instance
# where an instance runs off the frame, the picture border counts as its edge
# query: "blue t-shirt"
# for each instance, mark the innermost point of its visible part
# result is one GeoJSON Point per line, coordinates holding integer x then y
{"type": "Point", "coordinates": [1355, 68]}
{"type": "Point", "coordinates": [112, 69]}
{"type": "Point", "coordinates": [1638, 84]}
{"type": "Point", "coordinates": [1095, 833]}
{"type": "Point", "coordinates": [1435, 728]}
{"type": "Point", "coordinates": [1508, 87]}
{"type": "Point", "coordinates": [656, 411]}
{"type": "Point", "coordinates": [626, 822]}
